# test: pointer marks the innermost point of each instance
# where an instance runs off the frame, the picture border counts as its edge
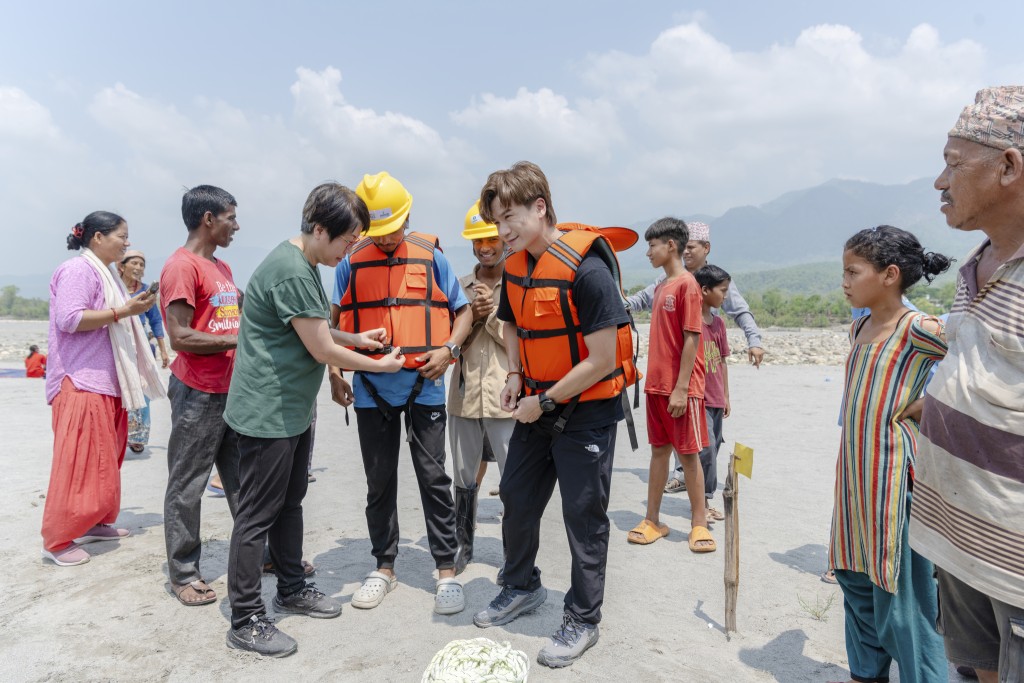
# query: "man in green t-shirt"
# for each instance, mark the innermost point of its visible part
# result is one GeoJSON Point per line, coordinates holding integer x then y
{"type": "Point", "coordinates": [284, 343]}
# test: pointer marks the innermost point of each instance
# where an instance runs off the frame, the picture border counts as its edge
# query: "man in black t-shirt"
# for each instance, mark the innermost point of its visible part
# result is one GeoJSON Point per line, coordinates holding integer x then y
{"type": "Point", "coordinates": [556, 438]}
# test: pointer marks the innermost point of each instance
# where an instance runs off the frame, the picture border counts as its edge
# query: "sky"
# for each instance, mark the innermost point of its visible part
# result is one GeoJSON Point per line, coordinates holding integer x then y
{"type": "Point", "coordinates": [633, 110]}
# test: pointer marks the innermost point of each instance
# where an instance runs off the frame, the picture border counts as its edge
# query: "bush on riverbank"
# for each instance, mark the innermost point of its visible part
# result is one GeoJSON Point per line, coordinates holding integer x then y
{"type": "Point", "coordinates": [20, 308]}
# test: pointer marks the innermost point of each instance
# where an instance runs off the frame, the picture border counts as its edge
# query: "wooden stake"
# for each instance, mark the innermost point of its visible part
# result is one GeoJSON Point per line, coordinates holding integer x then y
{"type": "Point", "coordinates": [732, 545]}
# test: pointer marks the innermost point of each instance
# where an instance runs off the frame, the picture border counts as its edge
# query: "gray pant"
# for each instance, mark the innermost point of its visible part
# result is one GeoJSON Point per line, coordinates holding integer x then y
{"type": "Point", "coordinates": [199, 439]}
{"type": "Point", "coordinates": [466, 436]}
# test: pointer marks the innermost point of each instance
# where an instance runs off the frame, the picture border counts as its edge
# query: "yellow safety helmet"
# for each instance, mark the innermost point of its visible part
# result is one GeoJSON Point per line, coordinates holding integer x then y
{"type": "Point", "coordinates": [388, 201]}
{"type": "Point", "coordinates": [476, 227]}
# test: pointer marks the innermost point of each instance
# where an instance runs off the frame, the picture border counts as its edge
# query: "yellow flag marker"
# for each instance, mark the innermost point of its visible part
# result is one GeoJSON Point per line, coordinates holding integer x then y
{"type": "Point", "coordinates": [744, 456]}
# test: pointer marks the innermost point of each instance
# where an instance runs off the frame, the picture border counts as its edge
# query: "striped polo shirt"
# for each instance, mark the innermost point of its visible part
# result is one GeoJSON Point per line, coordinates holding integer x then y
{"type": "Point", "coordinates": [968, 512]}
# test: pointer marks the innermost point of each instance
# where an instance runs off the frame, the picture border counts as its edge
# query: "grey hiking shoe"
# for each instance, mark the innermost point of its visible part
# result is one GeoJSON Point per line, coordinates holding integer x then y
{"type": "Point", "coordinates": [309, 601]}
{"type": "Point", "coordinates": [262, 637]}
{"type": "Point", "coordinates": [509, 604]}
{"type": "Point", "coordinates": [568, 643]}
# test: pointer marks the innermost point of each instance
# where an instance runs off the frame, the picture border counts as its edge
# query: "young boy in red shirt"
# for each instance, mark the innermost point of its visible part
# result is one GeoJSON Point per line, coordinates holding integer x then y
{"type": "Point", "coordinates": [714, 285]}
{"type": "Point", "coordinates": [675, 385]}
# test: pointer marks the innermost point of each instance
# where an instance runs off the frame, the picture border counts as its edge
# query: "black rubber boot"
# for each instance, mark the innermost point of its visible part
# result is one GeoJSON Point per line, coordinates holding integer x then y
{"type": "Point", "coordinates": [500, 580]}
{"type": "Point", "coordinates": [465, 525]}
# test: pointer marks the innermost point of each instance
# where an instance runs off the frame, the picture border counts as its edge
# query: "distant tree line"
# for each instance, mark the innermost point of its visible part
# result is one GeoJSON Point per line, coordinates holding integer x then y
{"type": "Point", "coordinates": [775, 308]}
{"type": "Point", "coordinates": [14, 306]}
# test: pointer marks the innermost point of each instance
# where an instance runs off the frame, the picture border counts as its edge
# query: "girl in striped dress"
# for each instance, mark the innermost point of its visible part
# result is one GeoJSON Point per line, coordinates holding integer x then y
{"type": "Point", "coordinates": [888, 589]}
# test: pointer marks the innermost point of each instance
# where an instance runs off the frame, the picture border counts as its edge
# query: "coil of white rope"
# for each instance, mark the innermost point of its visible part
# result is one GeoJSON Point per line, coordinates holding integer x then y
{"type": "Point", "coordinates": [478, 660]}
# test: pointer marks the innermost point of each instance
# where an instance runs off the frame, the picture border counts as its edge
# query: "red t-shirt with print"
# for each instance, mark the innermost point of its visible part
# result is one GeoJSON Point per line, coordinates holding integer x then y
{"type": "Point", "coordinates": [716, 350]}
{"type": "Point", "coordinates": [209, 288]}
{"type": "Point", "coordinates": [676, 308]}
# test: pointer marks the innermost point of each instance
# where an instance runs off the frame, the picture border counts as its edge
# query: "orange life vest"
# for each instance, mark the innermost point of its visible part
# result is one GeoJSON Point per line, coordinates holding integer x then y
{"type": "Point", "coordinates": [398, 292]}
{"type": "Point", "coordinates": [548, 324]}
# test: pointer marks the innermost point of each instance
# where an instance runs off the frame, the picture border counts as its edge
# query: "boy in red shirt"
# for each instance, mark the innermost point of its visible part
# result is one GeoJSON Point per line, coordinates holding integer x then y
{"type": "Point", "coordinates": [714, 285]}
{"type": "Point", "coordinates": [675, 385]}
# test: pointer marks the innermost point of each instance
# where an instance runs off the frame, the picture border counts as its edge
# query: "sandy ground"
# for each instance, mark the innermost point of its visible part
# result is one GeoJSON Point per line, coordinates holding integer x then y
{"type": "Point", "coordinates": [113, 618]}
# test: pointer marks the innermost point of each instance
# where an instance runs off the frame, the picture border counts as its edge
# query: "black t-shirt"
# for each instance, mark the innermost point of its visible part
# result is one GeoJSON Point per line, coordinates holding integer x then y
{"type": "Point", "coordinates": [599, 305]}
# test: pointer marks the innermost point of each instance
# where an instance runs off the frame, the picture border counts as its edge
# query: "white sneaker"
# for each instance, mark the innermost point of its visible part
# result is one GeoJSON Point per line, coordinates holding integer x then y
{"type": "Point", "coordinates": [375, 587]}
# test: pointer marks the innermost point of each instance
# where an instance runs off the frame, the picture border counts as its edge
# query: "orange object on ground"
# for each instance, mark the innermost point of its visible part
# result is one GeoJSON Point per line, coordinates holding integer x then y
{"type": "Point", "coordinates": [398, 292]}
{"type": "Point", "coordinates": [550, 338]}
{"type": "Point", "coordinates": [35, 365]}
{"type": "Point", "coordinates": [90, 432]}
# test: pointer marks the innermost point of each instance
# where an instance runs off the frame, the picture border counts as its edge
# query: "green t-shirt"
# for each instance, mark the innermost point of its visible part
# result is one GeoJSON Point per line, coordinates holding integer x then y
{"type": "Point", "coordinates": [276, 381]}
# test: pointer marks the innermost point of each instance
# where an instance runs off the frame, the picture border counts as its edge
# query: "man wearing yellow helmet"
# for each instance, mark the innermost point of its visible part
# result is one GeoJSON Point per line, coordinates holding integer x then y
{"type": "Point", "coordinates": [474, 408]}
{"type": "Point", "coordinates": [402, 282]}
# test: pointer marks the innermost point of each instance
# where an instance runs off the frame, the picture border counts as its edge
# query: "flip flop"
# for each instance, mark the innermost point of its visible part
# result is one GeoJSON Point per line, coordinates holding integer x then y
{"type": "Point", "coordinates": [698, 534]}
{"type": "Point", "coordinates": [194, 593]}
{"type": "Point", "coordinates": [646, 533]}
{"type": "Point", "coordinates": [714, 515]}
{"type": "Point", "coordinates": [675, 486]}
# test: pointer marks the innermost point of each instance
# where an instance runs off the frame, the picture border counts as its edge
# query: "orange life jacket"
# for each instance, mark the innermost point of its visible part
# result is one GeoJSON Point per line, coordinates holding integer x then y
{"type": "Point", "coordinates": [548, 324]}
{"type": "Point", "coordinates": [398, 292]}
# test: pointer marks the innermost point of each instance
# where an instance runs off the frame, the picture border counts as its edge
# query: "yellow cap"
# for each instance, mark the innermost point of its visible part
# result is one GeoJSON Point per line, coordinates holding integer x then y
{"type": "Point", "coordinates": [476, 227]}
{"type": "Point", "coordinates": [388, 201]}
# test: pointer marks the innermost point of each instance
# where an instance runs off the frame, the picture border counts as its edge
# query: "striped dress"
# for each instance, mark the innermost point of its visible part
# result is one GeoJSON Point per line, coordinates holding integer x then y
{"type": "Point", "coordinates": [876, 454]}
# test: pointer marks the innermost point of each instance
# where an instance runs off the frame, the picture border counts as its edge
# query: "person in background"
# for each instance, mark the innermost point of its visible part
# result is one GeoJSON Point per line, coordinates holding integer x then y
{"type": "Point", "coordinates": [695, 257]}
{"type": "Point", "coordinates": [100, 367]}
{"type": "Point", "coordinates": [35, 362]}
{"type": "Point", "coordinates": [475, 416]}
{"type": "Point", "coordinates": [132, 268]}
{"type": "Point", "coordinates": [714, 285]}
{"type": "Point", "coordinates": [674, 386]}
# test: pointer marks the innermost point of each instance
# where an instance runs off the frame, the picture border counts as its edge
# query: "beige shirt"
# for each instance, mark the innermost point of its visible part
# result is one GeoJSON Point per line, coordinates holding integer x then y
{"type": "Point", "coordinates": [968, 511]}
{"type": "Point", "coordinates": [480, 374]}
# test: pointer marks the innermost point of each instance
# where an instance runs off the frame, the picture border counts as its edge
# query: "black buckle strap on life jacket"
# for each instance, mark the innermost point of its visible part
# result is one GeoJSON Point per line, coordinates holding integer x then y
{"type": "Point", "coordinates": [391, 261]}
{"type": "Point", "coordinates": [395, 301]}
{"type": "Point", "coordinates": [628, 415]}
{"type": "Point", "coordinates": [406, 350]}
{"type": "Point", "coordinates": [567, 412]}
{"type": "Point", "coordinates": [537, 384]}
{"type": "Point", "coordinates": [530, 282]}
{"type": "Point", "coordinates": [416, 389]}
{"type": "Point", "coordinates": [382, 405]}
{"type": "Point", "coordinates": [547, 334]}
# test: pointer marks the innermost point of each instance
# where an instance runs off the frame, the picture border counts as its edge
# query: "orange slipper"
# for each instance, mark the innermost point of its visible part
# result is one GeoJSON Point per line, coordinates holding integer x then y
{"type": "Point", "coordinates": [698, 534]}
{"type": "Point", "coordinates": [646, 533]}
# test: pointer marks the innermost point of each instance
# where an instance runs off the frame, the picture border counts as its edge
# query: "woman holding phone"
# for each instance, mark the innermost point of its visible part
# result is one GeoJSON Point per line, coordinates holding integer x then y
{"type": "Point", "coordinates": [99, 367]}
{"type": "Point", "coordinates": [132, 268]}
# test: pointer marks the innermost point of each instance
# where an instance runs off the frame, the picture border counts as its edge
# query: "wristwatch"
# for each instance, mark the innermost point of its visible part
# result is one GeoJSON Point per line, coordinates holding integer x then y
{"type": "Point", "coordinates": [546, 404]}
{"type": "Point", "coordinates": [454, 350]}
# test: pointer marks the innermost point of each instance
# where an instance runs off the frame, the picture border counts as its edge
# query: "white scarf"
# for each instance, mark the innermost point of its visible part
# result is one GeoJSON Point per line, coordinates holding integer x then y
{"type": "Point", "coordinates": [137, 373]}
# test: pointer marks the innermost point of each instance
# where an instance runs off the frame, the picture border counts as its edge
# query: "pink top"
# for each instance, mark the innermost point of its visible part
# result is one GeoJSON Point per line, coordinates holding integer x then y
{"type": "Point", "coordinates": [716, 350]}
{"type": "Point", "coordinates": [86, 357]}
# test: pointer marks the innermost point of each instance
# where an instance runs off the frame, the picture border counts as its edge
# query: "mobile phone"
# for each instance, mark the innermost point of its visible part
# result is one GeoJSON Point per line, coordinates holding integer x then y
{"type": "Point", "coordinates": [153, 288]}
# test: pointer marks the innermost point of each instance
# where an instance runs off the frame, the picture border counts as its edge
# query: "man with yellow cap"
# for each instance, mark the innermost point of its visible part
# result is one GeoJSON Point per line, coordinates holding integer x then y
{"type": "Point", "coordinates": [403, 283]}
{"type": "Point", "coordinates": [474, 407]}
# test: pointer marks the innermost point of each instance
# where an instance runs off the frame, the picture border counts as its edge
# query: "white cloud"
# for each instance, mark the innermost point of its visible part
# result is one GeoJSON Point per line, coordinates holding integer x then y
{"type": "Point", "coordinates": [22, 118]}
{"type": "Point", "coordinates": [546, 121]}
{"type": "Point", "coordinates": [785, 117]}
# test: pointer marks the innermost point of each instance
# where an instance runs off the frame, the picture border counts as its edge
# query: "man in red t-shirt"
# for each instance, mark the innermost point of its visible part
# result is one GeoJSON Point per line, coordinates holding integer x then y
{"type": "Point", "coordinates": [674, 385]}
{"type": "Point", "coordinates": [201, 311]}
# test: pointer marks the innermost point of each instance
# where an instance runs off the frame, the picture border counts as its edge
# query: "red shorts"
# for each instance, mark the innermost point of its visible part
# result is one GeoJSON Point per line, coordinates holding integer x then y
{"type": "Point", "coordinates": [686, 434]}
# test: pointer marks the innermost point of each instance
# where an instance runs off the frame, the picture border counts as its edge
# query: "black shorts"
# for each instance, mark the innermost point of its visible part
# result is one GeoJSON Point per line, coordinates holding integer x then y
{"type": "Point", "coordinates": [980, 631]}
